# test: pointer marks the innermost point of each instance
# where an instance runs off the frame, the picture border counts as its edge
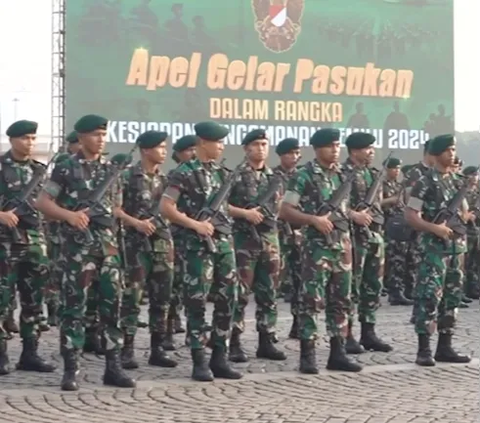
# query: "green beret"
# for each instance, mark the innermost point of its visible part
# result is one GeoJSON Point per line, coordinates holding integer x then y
{"type": "Point", "coordinates": [184, 143]}
{"type": "Point", "coordinates": [287, 145]}
{"type": "Point", "coordinates": [256, 134]}
{"type": "Point", "coordinates": [121, 158]}
{"type": "Point", "coordinates": [21, 128]}
{"type": "Point", "coordinates": [151, 139]}
{"type": "Point", "coordinates": [359, 140]}
{"type": "Point", "coordinates": [470, 170]}
{"type": "Point", "coordinates": [72, 137]}
{"type": "Point", "coordinates": [211, 131]}
{"type": "Point", "coordinates": [90, 123]}
{"type": "Point", "coordinates": [61, 157]}
{"type": "Point", "coordinates": [406, 168]}
{"type": "Point", "coordinates": [393, 163]}
{"type": "Point", "coordinates": [440, 144]}
{"type": "Point", "coordinates": [324, 137]}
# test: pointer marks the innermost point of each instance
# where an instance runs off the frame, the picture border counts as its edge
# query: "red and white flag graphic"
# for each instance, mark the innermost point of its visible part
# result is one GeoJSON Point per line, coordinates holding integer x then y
{"type": "Point", "coordinates": [278, 14]}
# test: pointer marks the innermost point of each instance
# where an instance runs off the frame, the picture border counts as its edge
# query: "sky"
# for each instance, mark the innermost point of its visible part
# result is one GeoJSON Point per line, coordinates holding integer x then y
{"type": "Point", "coordinates": [25, 63]}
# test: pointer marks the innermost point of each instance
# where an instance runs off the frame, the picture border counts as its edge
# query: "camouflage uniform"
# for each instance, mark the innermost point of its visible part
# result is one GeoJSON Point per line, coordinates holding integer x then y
{"type": "Point", "coordinates": [24, 265]}
{"type": "Point", "coordinates": [149, 261]}
{"type": "Point", "coordinates": [258, 262]}
{"type": "Point", "coordinates": [52, 295]}
{"type": "Point", "coordinates": [472, 258]}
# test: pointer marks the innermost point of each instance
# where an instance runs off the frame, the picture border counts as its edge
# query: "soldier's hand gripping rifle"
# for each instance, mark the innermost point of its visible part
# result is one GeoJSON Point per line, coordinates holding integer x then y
{"type": "Point", "coordinates": [211, 210]}
{"type": "Point", "coordinates": [21, 205]}
{"type": "Point", "coordinates": [93, 203]}
{"type": "Point", "coordinates": [162, 230]}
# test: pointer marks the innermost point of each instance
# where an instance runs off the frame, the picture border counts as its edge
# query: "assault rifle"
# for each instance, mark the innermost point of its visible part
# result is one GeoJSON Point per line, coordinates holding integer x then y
{"type": "Point", "coordinates": [332, 206]}
{"type": "Point", "coordinates": [396, 227]}
{"type": "Point", "coordinates": [210, 211]}
{"type": "Point", "coordinates": [22, 206]}
{"type": "Point", "coordinates": [162, 229]}
{"type": "Point", "coordinates": [96, 211]}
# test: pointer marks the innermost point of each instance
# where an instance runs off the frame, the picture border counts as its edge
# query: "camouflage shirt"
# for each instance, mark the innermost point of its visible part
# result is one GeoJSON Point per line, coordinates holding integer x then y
{"type": "Point", "coordinates": [473, 200]}
{"type": "Point", "coordinates": [309, 189]}
{"type": "Point", "coordinates": [391, 189]}
{"type": "Point", "coordinates": [74, 180]}
{"type": "Point", "coordinates": [14, 176]}
{"type": "Point", "coordinates": [415, 173]}
{"type": "Point", "coordinates": [430, 194]}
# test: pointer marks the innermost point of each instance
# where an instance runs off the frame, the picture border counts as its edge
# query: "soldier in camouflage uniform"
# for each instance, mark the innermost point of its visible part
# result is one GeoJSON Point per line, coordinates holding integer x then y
{"type": "Point", "coordinates": [23, 260]}
{"type": "Point", "coordinates": [72, 181]}
{"type": "Point", "coordinates": [289, 236]}
{"type": "Point", "coordinates": [257, 248]}
{"type": "Point", "coordinates": [368, 245]}
{"type": "Point", "coordinates": [149, 250]}
{"type": "Point", "coordinates": [472, 258]}
{"type": "Point", "coordinates": [326, 253]}
{"type": "Point", "coordinates": [73, 143]}
{"type": "Point", "coordinates": [395, 251]}
{"type": "Point", "coordinates": [207, 268]}
{"type": "Point", "coordinates": [183, 151]}
{"type": "Point", "coordinates": [439, 289]}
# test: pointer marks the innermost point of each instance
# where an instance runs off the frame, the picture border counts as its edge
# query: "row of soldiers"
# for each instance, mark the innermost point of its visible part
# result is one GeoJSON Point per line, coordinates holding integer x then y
{"type": "Point", "coordinates": [220, 228]}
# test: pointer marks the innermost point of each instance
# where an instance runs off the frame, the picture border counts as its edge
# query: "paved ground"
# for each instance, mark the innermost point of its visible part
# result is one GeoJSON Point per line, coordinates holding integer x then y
{"type": "Point", "coordinates": [390, 389]}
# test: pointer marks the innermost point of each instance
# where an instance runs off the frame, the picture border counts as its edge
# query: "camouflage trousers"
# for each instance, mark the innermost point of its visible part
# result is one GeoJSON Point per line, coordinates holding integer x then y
{"type": "Point", "coordinates": [413, 258]}
{"type": "Point", "coordinates": [155, 271]}
{"type": "Point", "coordinates": [176, 300]}
{"type": "Point", "coordinates": [92, 311]}
{"type": "Point", "coordinates": [326, 284]}
{"type": "Point", "coordinates": [52, 290]}
{"type": "Point", "coordinates": [290, 272]}
{"type": "Point", "coordinates": [258, 271]}
{"type": "Point", "coordinates": [23, 267]}
{"type": "Point", "coordinates": [81, 269]}
{"type": "Point", "coordinates": [395, 269]}
{"type": "Point", "coordinates": [367, 282]}
{"type": "Point", "coordinates": [472, 264]}
{"type": "Point", "coordinates": [438, 292]}
{"type": "Point", "coordinates": [215, 274]}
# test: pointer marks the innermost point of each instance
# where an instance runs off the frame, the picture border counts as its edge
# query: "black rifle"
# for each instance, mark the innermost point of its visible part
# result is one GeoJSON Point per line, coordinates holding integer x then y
{"type": "Point", "coordinates": [261, 203]}
{"type": "Point", "coordinates": [21, 205]}
{"type": "Point", "coordinates": [396, 227]}
{"type": "Point", "coordinates": [162, 230]}
{"type": "Point", "coordinates": [369, 200]}
{"type": "Point", "coordinates": [96, 212]}
{"type": "Point", "coordinates": [332, 206]}
{"type": "Point", "coordinates": [211, 210]}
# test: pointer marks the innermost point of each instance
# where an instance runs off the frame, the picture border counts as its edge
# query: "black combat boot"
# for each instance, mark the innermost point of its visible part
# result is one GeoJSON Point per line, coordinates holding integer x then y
{"type": "Point", "coordinates": [92, 341]}
{"type": "Point", "coordinates": [71, 369]}
{"type": "Point", "coordinates": [338, 359]}
{"type": "Point", "coordinates": [127, 355]}
{"type": "Point", "coordinates": [219, 365]}
{"type": "Point", "coordinates": [446, 354]}
{"type": "Point", "coordinates": [236, 353]}
{"type": "Point", "coordinates": [352, 346]}
{"type": "Point", "coordinates": [466, 300]}
{"type": "Point", "coordinates": [397, 298]}
{"type": "Point", "coordinates": [308, 358]}
{"type": "Point", "coordinates": [52, 315]}
{"type": "Point", "coordinates": [201, 371]}
{"type": "Point", "coordinates": [158, 356]}
{"type": "Point", "coordinates": [168, 342]}
{"type": "Point", "coordinates": [294, 331]}
{"type": "Point", "coordinates": [370, 340]}
{"type": "Point", "coordinates": [424, 353]}
{"type": "Point", "coordinates": [10, 325]}
{"type": "Point", "coordinates": [178, 324]}
{"type": "Point", "coordinates": [4, 361]}
{"type": "Point", "coordinates": [30, 360]}
{"type": "Point", "coordinates": [266, 347]}
{"type": "Point", "coordinates": [114, 374]}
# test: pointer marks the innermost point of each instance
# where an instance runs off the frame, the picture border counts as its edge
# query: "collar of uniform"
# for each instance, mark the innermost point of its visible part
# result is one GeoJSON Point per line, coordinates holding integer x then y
{"type": "Point", "coordinates": [319, 169]}
{"type": "Point", "coordinates": [266, 170]}
{"type": "Point", "coordinates": [351, 165]}
{"type": "Point", "coordinates": [80, 157]}
{"type": "Point", "coordinates": [138, 169]}
{"type": "Point", "coordinates": [8, 158]}
{"type": "Point", "coordinates": [281, 170]}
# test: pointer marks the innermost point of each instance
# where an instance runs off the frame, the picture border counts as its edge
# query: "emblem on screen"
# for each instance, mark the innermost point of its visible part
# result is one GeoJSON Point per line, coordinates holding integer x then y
{"type": "Point", "coordinates": [278, 22]}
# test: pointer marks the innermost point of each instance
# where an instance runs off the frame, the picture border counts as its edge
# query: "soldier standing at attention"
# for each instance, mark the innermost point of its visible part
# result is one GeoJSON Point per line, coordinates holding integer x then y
{"type": "Point", "coordinates": [289, 237]}
{"type": "Point", "coordinates": [149, 250]}
{"type": "Point", "coordinates": [395, 251]}
{"type": "Point", "coordinates": [190, 188]}
{"type": "Point", "coordinates": [439, 289]}
{"type": "Point", "coordinates": [71, 181]}
{"type": "Point", "coordinates": [23, 261]}
{"type": "Point", "coordinates": [326, 263]}
{"type": "Point", "coordinates": [368, 245]}
{"type": "Point", "coordinates": [183, 151]}
{"type": "Point", "coordinates": [258, 257]}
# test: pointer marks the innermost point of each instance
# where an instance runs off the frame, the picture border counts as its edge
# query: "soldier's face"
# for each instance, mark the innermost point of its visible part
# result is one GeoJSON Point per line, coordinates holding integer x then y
{"type": "Point", "coordinates": [447, 158]}
{"type": "Point", "coordinates": [93, 142]}
{"type": "Point", "coordinates": [157, 154]}
{"type": "Point", "coordinates": [24, 145]}
{"type": "Point", "coordinates": [330, 153]}
{"type": "Point", "coordinates": [186, 155]}
{"type": "Point", "coordinates": [213, 149]}
{"type": "Point", "coordinates": [393, 173]}
{"type": "Point", "coordinates": [257, 150]}
{"type": "Point", "coordinates": [290, 159]}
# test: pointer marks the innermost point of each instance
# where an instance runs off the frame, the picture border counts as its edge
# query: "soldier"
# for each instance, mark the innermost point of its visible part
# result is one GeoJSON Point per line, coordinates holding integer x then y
{"type": "Point", "coordinates": [73, 144]}
{"type": "Point", "coordinates": [326, 262]}
{"type": "Point", "coordinates": [183, 151]}
{"type": "Point", "coordinates": [190, 188]}
{"type": "Point", "coordinates": [72, 181]}
{"type": "Point", "coordinates": [149, 250]}
{"type": "Point", "coordinates": [472, 258]}
{"type": "Point", "coordinates": [289, 237]}
{"type": "Point", "coordinates": [368, 245]}
{"type": "Point", "coordinates": [395, 251]}
{"type": "Point", "coordinates": [257, 248]}
{"type": "Point", "coordinates": [23, 261]}
{"type": "Point", "coordinates": [438, 292]}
